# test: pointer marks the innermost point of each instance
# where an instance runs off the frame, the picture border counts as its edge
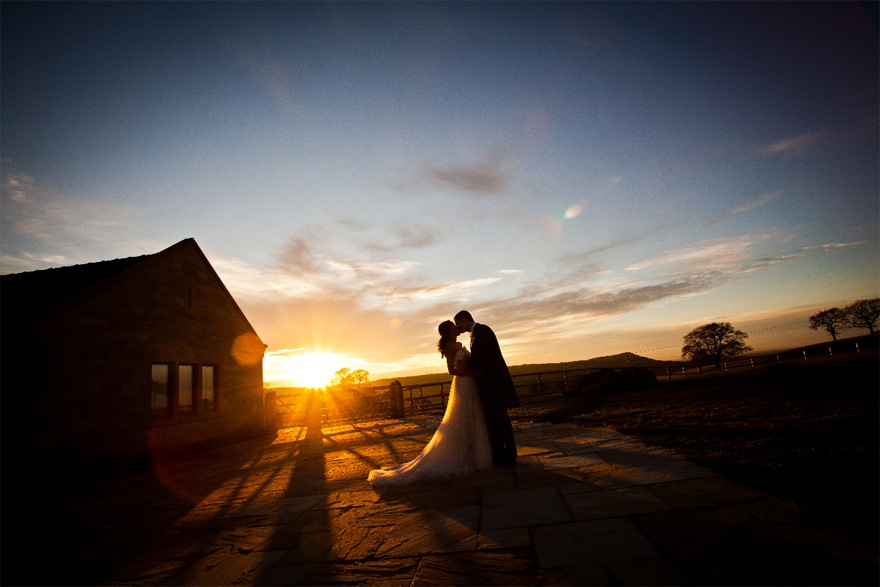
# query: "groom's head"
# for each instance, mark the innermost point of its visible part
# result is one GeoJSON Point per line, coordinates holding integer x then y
{"type": "Point", "coordinates": [464, 321]}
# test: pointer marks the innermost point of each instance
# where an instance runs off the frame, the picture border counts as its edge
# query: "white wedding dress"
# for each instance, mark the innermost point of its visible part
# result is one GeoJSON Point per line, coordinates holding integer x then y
{"type": "Point", "coordinates": [459, 447]}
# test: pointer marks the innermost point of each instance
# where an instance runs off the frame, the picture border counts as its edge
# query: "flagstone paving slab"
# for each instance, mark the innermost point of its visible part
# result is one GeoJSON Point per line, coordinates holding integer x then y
{"type": "Point", "coordinates": [552, 462]}
{"type": "Point", "coordinates": [513, 567]}
{"type": "Point", "coordinates": [432, 531]}
{"type": "Point", "coordinates": [595, 541]}
{"type": "Point", "coordinates": [704, 492]}
{"type": "Point", "coordinates": [614, 503]}
{"type": "Point", "coordinates": [524, 507]}
{"type": "Point", "coordinates": [504, 538]}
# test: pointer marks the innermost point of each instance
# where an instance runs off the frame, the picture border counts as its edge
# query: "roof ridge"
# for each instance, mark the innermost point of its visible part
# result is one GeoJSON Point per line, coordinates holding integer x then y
{"type": "Point", "coordinates": [81, 265]}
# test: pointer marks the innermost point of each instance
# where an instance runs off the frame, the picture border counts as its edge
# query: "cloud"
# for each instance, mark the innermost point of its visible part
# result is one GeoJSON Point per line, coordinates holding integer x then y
{"type": "Point", "coordinates": [74, 229]}
{"type": "Point", "coordinates": [746, 208]}
{"type": "Point", "coordinates": [797, 145]}
{"type": "Point", "coordinates": [710, 255]}
{"type": "Point", "coordinates": [17, 187]}
{"type": "Point", "coordinates": [620, 241]}
{"type": "Point", "coordinates": [397, 237]}
{"type": "Point", "coordinates": [309, 255]}
{"type": "Point", "coordinates": [455, 290]}
{"type": "Point", "coordinates": [246, 282]}
{"type": "Point", "coordinates": [249, 45]}
{"type": "Point", "coordinates": [300, 255]}
{"type": "Point", "coordinates": [832, 246]}
{"type": "Point", "coordinates": [488, 177]}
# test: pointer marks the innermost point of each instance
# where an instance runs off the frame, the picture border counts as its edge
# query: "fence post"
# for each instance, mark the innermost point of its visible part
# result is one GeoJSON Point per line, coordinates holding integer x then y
{"type": "Point", "coordinates": [395, 392]}
{"type": "Point", "coordinates": [565, 376]}
{"type": "Point", "coordinates": [540, 387]}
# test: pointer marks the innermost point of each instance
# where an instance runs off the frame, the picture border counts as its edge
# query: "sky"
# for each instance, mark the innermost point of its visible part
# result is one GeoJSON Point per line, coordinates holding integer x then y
{"type": "Point", "coordinates": [586, 178]}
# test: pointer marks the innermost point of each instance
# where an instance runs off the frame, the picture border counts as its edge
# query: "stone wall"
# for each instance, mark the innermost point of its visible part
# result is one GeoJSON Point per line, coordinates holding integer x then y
{"type": "Point", "coordinates": [99, 350]}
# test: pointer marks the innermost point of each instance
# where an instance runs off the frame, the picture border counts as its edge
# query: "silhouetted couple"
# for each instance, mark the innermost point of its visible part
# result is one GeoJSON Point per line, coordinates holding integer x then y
{"type": "Point", "coordinates": [475, 432]}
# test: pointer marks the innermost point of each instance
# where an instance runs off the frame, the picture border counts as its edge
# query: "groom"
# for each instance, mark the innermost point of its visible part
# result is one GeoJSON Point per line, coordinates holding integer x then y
{"type": "Point", "coordinates": [495, 386]}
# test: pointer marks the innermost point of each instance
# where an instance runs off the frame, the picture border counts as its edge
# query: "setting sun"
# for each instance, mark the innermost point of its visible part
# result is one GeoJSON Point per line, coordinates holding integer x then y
{"type": "Point", "coordinates": [298, 368]}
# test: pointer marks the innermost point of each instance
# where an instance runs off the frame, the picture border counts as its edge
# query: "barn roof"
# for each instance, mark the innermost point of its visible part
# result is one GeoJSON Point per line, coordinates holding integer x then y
{"type": "Point", "coordinates": [34, 291]}
{"type": "Point", "coordinates": [27, 295]}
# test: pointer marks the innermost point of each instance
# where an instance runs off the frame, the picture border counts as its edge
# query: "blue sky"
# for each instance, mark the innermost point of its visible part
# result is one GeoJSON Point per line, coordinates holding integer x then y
{"type": "Point", "coordinates": [587, 178]}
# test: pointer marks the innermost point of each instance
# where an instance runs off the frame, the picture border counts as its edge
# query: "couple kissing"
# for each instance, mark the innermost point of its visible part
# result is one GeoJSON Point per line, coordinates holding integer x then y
{"type": "Point", "coordinates": [475, 432]}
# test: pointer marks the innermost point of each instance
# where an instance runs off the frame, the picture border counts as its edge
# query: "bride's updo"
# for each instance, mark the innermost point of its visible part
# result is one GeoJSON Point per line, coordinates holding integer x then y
{"type": "Point", "coordinates": [448, 333]}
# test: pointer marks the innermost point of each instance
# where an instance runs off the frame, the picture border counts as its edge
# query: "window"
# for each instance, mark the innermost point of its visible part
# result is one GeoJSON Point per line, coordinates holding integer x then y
{"type": "Point", "coordinates": [208, 398]}
{"type": "Point", "coordinates": [181, 390]}
{"type": "Point", "coordinates": [161, 390]}
{"type": "Point", "coordinates": [185, 389]}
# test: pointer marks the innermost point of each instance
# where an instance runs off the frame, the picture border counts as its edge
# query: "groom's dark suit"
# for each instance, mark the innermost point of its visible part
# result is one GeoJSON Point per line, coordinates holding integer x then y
{"type": "Point", "coordinates": [496, 390]}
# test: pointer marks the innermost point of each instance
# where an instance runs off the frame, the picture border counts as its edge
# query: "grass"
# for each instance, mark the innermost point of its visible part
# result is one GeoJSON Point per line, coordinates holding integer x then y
{"type": "Point", "coordinates": [806, 431]}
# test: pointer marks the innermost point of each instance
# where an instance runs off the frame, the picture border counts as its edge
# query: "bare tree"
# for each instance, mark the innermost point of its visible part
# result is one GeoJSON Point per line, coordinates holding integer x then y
{"type": "Point", "coordinates": [864, 313]}
{"type": "Point", "coordinates": [832, 320]}
{"type": "Point", "coordinates": [360, 377]}
{"type": "Point", "coordinates": [714, 341]}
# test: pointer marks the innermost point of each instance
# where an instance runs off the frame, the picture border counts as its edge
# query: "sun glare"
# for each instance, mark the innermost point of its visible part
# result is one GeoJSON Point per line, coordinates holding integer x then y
{"type": "Point", "coordinates": [296, 368]}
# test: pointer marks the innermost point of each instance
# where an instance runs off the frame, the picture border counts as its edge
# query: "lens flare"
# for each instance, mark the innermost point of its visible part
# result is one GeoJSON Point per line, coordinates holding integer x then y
{"type": "Point", "coordinates": [573, 211]}
{"type": "Point", "coordinates": [248, 349]}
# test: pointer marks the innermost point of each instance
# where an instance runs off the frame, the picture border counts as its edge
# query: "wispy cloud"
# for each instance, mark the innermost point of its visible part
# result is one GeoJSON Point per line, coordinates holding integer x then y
{"type": "Point", "coordinates": [16, 186]}
{"type": "Point", "coordinates": [833, 246]}
{"type": "Point", "coordinates": [254, 284]}
{"type": "Point", "coordinates": [486, 177]}
{"type": "Point", "coordinates": [619, 241]}
{"type": "Point", "coordinates": [746, 208]}
{"type": "Point", "coordinates": [796, 145]}
{"type": "Point", "coordinates": [455, 290]}
{"type": "Point", "coordinates": [711, 255]}
{"type": "Point", "coordinates": [74, 229]}
{"type": "Point", "coordinates": [398, 237]}
{"type": "Point", "coordinates": [251, 48]}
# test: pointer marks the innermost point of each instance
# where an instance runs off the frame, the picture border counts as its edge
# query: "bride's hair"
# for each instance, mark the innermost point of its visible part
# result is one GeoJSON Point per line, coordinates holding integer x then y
{"type": "Point", "coordinates": [447, 334]}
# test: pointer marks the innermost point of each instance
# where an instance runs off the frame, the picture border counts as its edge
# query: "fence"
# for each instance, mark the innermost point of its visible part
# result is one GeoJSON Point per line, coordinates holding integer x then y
{"type": "Point", "coordinates": [398, 400]}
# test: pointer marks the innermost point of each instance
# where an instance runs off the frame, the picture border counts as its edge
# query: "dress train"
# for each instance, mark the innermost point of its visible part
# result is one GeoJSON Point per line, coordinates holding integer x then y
{"type": "Point", "coordinates": [459, 447]}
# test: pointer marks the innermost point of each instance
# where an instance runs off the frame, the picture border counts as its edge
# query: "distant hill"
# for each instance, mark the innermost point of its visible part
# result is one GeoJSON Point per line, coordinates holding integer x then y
{"type": "Point", "coordinates": [619, 361]}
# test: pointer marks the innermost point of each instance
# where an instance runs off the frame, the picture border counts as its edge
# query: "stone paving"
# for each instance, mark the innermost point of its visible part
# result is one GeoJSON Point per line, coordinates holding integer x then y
{"type": "Point", "coordinates": [580, 507]}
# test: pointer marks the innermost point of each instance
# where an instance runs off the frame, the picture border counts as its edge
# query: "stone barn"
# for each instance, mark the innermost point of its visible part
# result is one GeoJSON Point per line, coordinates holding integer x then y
{"type": "Point", "coordinates": [113, 362]}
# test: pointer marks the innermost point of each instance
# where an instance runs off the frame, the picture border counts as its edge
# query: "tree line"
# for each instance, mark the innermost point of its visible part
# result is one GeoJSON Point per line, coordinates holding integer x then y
{"type": "Point", "coordinates": [720, 340]}
{"type": "Point", "coordinates": [859, 314]}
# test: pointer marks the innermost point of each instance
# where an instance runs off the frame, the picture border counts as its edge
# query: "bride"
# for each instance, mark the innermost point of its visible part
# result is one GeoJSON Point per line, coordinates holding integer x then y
{"type": "Point", "coordinates": [460, 446]}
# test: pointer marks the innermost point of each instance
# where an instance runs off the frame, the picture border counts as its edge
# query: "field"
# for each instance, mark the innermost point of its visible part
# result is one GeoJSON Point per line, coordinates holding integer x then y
{"type": "Point", "coordinates": [802, 430]}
